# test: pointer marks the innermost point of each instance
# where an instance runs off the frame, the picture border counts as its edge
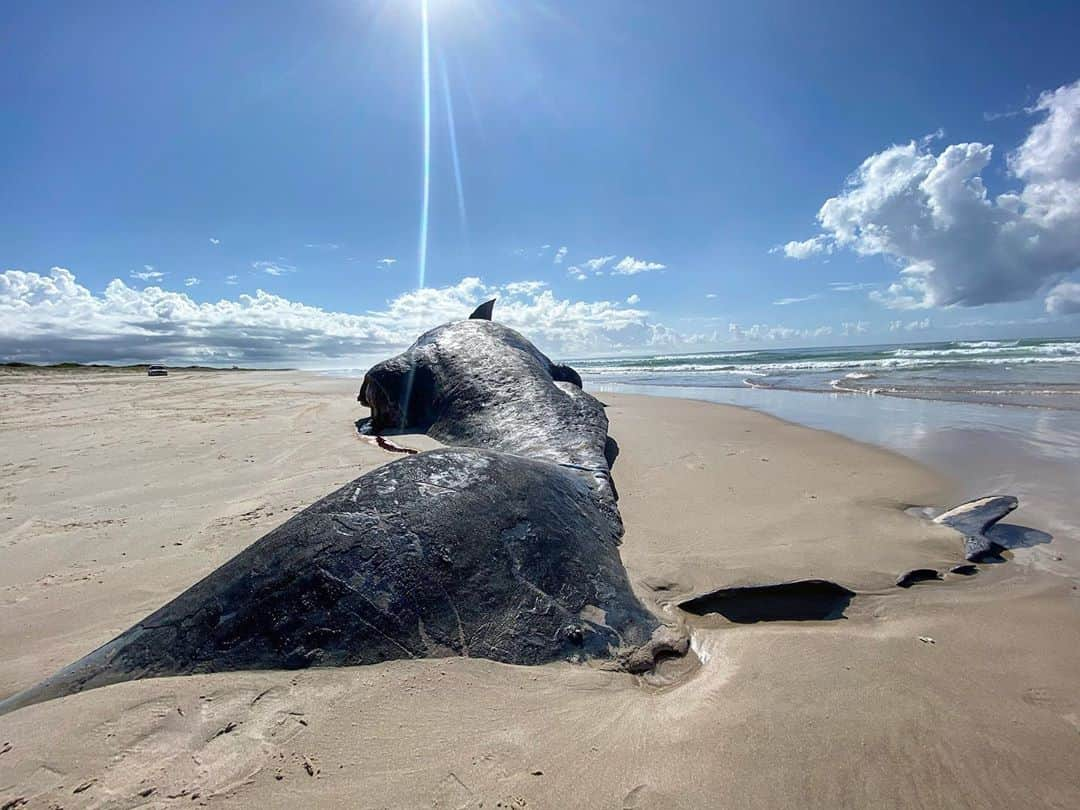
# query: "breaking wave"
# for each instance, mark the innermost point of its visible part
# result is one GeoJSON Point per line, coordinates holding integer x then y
{"type": "Point", "coordinates": [1042, 372]}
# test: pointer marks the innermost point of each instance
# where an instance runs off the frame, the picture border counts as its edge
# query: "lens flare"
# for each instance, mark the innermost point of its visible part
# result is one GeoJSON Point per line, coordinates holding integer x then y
{"type": "Point", "coordinates": [425, 72]}
{"type": "Point", "coordinates": [453, 143]}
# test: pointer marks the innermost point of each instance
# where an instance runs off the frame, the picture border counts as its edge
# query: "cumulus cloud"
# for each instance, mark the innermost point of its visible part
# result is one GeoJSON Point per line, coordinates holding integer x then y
{"type": "Point", "coordinates": [191, 281]}
{"type": "Point", "coordinates": [783, 302]}
{"type": "Point", "coordinates": [629, 266]}
{"type": "Point", "coordinates": [577, 273]}
{"type": "Point", "coordinates": [633, 299]}
{"type": "Point", "coordinates": [957, 246]}
{"type": "Point", "coordinates": [560, 254]}
{"type": "Point", "coordinates": [48, 318]}
{"type": "Point", "coordinates": [524, 287]}
{"type": "Point", "coordinates": [214, 241]}
{"type": "Point", "coordinates": [806, 248]}
{"type": "Point", "coordinates": [1064, 299]}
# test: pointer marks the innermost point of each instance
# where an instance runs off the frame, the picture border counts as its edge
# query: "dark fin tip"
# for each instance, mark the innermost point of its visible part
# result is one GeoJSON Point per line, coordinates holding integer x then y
{"type": "Point", "coordinates": [483, 312]}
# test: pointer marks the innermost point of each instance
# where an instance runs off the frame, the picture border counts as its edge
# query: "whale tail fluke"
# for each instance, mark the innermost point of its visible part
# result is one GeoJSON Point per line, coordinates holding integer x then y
{"type": "Point", "coordinates": [974, 519]}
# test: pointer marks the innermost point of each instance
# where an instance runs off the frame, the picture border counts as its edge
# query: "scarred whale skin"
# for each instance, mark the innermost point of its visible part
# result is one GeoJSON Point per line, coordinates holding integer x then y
{"type": "Point", "coordinates": [478, 383]}
{"type": "Point", "coordinates": [503, 547]}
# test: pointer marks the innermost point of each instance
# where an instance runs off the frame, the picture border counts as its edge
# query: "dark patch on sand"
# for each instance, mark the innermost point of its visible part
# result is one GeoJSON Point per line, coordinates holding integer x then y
{"type": "Point", "coordinates": [909, 578]}
{"type": "Point", "coordinates": [803, 600]}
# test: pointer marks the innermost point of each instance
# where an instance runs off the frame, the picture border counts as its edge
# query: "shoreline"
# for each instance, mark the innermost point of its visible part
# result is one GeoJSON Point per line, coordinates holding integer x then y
{"type": "Point", "coordinates": [779, 713]}
{"type": "Point", "coordinates": [983, 448]}
{"type": "Point", "coordinates": [1027, 373]}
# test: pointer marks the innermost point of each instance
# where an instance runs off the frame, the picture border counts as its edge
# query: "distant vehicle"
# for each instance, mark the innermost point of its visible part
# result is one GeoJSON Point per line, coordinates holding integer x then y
{"type": "Point", "coordinates": [157, 371]}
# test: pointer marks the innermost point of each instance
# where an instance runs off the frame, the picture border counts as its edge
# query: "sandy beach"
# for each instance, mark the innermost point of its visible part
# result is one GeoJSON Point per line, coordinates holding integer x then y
{"type": "Point", "coordinates": [119, 491]}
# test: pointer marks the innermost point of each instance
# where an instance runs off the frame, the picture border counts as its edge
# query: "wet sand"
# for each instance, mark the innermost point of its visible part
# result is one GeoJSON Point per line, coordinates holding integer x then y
{"type": "Point", "coordinates": [120, 491]}
{"type": "Point", "coordinates": [1026, 452]}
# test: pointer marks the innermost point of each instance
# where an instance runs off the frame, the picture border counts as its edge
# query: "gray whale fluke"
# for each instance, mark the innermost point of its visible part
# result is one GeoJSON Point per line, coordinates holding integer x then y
{"type": "Point", "coordinates": [484, 311]}
{"type": "Point", "coordinates": [503, 545]}
{"type": "Point", "coordinates": [973, 519]}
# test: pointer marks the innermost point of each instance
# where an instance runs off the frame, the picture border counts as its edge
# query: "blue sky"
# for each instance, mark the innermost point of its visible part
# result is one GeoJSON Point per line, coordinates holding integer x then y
{"type": "Point", "coordinates": [279, 147]}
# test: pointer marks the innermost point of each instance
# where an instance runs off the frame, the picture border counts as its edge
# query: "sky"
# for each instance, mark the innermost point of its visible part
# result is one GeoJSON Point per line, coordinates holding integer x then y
{"type": "Point", "coordinates": [314, 184]}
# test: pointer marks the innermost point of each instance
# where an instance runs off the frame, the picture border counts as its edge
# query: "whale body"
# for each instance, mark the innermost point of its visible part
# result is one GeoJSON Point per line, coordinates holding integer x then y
{"type": "Point", "coordinates": [502, 545]}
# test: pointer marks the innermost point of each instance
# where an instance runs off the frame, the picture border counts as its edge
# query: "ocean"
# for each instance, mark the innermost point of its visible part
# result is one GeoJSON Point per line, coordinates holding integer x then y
{"type": "Point", "coordinates": [1043, 373]}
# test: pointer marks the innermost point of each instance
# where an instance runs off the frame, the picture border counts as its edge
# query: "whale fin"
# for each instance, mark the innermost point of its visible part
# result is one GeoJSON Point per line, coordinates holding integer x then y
{"type": "Point", "coordinates": [483, 312]}
{"type": "Point", "coordinates": [973, 519]}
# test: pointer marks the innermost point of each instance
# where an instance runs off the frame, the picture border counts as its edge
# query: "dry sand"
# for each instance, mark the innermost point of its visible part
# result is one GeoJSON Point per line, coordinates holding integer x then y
{"type": "Point", "coordinates": [119, 491]}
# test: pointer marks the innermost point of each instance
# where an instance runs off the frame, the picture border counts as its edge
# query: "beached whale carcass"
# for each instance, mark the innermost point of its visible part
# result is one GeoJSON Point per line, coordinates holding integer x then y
{"type": "Point", "coordinates": [503, 546]}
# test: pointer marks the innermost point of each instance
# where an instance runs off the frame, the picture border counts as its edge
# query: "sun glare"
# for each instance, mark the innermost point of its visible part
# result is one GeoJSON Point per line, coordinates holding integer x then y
{"type": "Point", "coordinates": [425, 72]}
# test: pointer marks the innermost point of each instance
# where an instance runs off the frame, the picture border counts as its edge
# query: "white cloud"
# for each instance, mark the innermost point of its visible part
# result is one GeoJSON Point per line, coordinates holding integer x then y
{"type": "Point", "coordinates": [1064, 299]}
{"type": "Point", "coordinates": [633, 299]}
{"type": "Point", "coordinates": [323, 246]}
{"type": "Point", "coordinates": [759, 332]}
{"type": "Point", "coordinates": [994, 116]}
{"type": "Point", "coordinates": [783, 302]}
{"type": "Point", "coordinates": [191, 281]}
{"type": "Point", "coordinates": [524, 287]}
{"type": "Point", "coordinates": [576, 273]}
{"type": "Point", "coordinates": [273, 268]}
{"type": "Point", "coordinates": [148, 273]}
{"type": "Point", "coordinates": [848, 328]}
{"type": "Point", "coordinates": [386, 263]}
{"type": "Point", "coordinates": [45, 318]}
{"type": "Point", "coordinates": [806, 248]}
{"type": "Point", "coordinates": [910, 326]}
{"type": "Point", "coordinates": [232, 280]}
{"type": "Point", "coordinates": [930, 137]}
{"type": "Point", "coordinates": [594, 265]}
{"type": "Point", "coordinates": [995, 323]}
{"type": "Point", "coordinates": [710, 295]}
{"type": "Point", "coordinates": [629, 266]}
{"type": "Point", "coordinates": [214, 241]}
{"type": "Point", "coordinates": [850, 286]}
{"type": "Point", "coordinates": [958, 246]}
{"type": "Point", "coordinates": [560, 254]}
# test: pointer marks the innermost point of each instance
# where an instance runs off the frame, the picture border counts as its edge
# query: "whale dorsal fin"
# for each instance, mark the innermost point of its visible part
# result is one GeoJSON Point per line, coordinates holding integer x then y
{"type": "Point", "coordinates": [483, 312]}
